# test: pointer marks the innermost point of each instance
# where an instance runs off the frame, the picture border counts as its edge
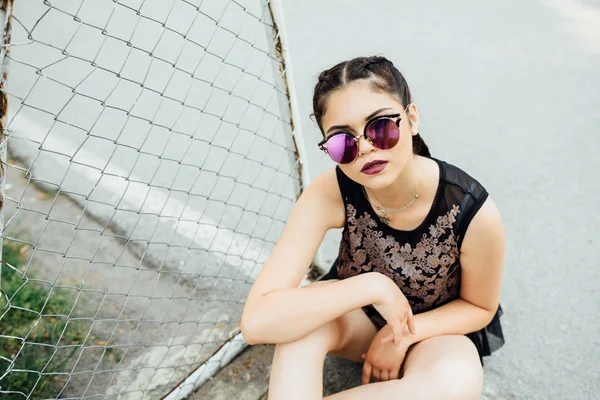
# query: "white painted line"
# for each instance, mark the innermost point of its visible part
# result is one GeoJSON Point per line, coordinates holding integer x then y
{"type": "Point", "coordinates": [30, 129]}
{"type": "Point", "coordinates": [135, 198]}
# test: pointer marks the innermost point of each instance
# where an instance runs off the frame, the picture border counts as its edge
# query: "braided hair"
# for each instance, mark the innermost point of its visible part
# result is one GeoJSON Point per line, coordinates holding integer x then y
{"type": "Point", "coordinates": [379, 72]}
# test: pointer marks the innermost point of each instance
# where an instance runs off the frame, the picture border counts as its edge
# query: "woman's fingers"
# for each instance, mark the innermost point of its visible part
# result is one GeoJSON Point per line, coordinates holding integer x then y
{"type": "Point", "coordinates": [399, 332]}
{"type": "Point", "coordinates": [411, 322]}
{"type": "Point", "coordinates": [398, 329]}
{"type": "Point", "coordinates": [384, 376]}
{"type": "Point", "coordinates": [366, 375]}
{"type": "Point", "coordinates": [388, 338]}
{"type": "Point", "coordinates": [392, 338]}
{"type": "Point", "coordinates": [377, 374]}
{"type": "Point", "coordinates": [394, 374]}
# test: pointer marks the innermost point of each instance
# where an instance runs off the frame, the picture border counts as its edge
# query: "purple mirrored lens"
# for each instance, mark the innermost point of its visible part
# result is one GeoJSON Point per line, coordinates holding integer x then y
{"type": "Point", "coordinates": [342, 148]}
{"type": "Point", "coordinates": [384, 133]}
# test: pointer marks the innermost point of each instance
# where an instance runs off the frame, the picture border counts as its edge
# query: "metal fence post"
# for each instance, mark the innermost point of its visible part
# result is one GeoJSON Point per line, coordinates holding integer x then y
{"type": "Point", "coordinates": [5, 21]}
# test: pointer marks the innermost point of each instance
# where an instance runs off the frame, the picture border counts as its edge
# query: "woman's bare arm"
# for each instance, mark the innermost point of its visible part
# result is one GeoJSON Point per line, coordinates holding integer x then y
{"type": "Point", "coordinates": [286, 315]}
{"type": "Point", "coordinates": [482, 264]}
{"type": "Point", "coordinates": [277, 311]}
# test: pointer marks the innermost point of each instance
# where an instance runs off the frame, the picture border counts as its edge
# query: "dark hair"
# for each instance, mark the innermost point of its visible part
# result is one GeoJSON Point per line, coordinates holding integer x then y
{"type": "Point", "coordinates": [378, 72]}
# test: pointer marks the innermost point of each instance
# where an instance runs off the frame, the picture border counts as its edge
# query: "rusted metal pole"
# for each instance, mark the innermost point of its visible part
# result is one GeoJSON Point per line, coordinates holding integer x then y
{"type": "Point", "coordinates": [6, 7]}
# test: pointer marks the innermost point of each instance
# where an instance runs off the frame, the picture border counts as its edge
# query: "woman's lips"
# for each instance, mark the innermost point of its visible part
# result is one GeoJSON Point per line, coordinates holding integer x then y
{"type": "Point", "coordinates": [374, 167]}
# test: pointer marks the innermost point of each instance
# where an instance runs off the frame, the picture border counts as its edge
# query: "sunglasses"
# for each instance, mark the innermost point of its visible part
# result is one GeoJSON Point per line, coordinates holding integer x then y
{"type": "Point", "coordinates": [382, 132]}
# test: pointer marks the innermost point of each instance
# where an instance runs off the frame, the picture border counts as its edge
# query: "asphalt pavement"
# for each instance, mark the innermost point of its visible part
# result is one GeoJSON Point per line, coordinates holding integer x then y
{"type": "Point", "coordinates": [508, 91]}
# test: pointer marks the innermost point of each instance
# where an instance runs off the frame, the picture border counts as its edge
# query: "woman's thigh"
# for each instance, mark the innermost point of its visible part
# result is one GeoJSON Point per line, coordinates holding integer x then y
{"type": "Point", "coordinates": [452, 361]}
{"type": "Point", "coordinates": [357, 332]}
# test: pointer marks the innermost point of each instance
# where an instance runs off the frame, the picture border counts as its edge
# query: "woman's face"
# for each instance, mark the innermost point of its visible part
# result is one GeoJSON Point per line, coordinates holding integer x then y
{"type": "Point", "coordinates": [354, 105]}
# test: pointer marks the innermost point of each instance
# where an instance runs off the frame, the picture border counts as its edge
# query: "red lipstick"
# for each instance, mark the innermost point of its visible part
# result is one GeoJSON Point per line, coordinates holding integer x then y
{"type": "Point", "coordinates": [374, 167]}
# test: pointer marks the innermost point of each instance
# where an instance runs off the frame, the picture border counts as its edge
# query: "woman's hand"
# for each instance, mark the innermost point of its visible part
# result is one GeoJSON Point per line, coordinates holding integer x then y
{"type": "Point", "coordinates": [395, 309]}
{"type": "Point", "coordinates": [383, 359]}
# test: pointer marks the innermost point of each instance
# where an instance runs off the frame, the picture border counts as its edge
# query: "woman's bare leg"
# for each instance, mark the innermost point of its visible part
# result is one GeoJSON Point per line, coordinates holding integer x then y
{"type": "Point", "coordinates": [297, 369]}
{"type": "Point", "coordinates": [443, 367]}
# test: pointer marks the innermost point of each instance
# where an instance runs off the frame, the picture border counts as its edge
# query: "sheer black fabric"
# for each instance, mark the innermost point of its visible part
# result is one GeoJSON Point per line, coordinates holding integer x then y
{"type": "Point", "coordinates": [424, 262]}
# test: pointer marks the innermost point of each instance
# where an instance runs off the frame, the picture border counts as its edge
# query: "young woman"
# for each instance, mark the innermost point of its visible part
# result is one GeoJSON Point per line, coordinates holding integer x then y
{"type": "Point", "coordinates": [415, 291]}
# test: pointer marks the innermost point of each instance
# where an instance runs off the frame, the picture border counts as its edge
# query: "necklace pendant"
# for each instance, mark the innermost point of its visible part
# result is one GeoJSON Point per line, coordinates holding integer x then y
{"type": "Point", "coordinates": [385, 219]}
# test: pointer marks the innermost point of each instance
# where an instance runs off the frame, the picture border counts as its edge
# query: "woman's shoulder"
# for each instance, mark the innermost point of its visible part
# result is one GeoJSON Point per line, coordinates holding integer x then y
{"type": "Point", "coordinates": [457, 178]}
{"type": "Point", "coordinates": [324, 193]}
{"type": "Point", "coordinates": [464, 193]}
{"type": "Point", "coordinates": [325, 180]}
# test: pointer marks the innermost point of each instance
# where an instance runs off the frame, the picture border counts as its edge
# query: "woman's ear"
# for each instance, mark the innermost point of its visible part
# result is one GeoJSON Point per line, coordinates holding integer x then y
{"type": "Point", "coordinates": [413, 118]}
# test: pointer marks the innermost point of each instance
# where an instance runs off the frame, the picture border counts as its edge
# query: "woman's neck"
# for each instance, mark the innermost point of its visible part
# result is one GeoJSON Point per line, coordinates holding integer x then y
{"type": "Point", "coordinates": [403, 190]}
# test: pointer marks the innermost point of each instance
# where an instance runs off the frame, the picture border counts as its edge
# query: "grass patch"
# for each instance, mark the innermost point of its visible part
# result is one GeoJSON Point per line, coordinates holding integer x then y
{"type": "Point", "coordinates": [35, 332]}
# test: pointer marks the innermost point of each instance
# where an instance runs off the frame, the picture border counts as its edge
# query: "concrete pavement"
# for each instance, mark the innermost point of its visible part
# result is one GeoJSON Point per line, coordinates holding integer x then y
{"type": "Point", "coordinates": [507, 91]}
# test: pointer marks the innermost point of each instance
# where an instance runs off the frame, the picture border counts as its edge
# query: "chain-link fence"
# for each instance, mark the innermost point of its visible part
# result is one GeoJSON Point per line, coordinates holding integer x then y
{"type": "Point", "coordinates": [150, 170]}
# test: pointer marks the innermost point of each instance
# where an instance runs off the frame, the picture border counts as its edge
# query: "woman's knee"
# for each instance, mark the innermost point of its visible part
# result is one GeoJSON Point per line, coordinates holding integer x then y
{"type": "Point", "coordinates": [460, 379]}
{"type": "Point", "coordinates": [450, 364]}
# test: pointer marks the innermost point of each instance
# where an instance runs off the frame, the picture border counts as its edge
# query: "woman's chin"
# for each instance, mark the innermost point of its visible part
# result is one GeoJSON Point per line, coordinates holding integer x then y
{"type": "Point", "coordinates": [378, 181]}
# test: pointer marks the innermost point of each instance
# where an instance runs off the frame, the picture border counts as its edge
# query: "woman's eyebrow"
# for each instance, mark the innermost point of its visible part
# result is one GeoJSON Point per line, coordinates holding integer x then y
{"type": "Point", "coordinates": [334, 127]}
{"type": "Point", "coordinates": [377, 112]}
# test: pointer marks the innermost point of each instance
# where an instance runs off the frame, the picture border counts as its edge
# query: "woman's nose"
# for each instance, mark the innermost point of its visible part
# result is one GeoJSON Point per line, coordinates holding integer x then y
{"type": "Point", "coordinates": [365, 146]}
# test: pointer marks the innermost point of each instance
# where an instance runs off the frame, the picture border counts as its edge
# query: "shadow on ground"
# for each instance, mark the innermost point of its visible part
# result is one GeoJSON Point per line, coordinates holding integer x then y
{"type": "Point", "coordinates": [247, 377]}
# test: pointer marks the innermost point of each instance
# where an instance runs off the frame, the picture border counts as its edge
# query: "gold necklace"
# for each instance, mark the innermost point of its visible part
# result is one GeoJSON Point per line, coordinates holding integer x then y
{"type": "Point", "coordinates": [384, 218]}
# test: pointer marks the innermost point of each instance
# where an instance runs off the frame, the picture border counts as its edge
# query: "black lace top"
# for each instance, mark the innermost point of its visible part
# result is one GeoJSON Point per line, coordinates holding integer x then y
{"type": "Point", "coordinates": [424, 262]}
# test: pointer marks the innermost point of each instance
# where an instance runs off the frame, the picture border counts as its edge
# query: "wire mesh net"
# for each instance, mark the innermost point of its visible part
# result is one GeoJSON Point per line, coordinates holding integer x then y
{"type": "Point", "coordinates": [151, 168]}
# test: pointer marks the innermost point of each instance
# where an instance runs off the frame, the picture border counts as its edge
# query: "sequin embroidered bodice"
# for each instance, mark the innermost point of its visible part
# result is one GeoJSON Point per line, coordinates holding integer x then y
{"type": "Point", "coordinates": [425, 262]}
